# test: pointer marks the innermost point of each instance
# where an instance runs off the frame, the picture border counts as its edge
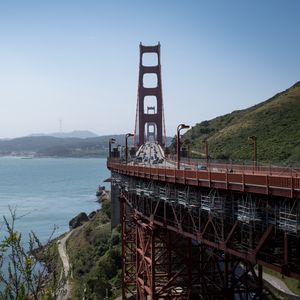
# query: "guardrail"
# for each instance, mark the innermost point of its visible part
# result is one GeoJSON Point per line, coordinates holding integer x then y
{"type": "Point", "coordinates": [276, 182]}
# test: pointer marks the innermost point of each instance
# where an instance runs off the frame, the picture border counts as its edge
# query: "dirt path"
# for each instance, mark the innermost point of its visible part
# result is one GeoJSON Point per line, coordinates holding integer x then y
{"type": "Point", "coordinates": [62, 250]}
{"type": "Point", "coordinates": [278, 284]}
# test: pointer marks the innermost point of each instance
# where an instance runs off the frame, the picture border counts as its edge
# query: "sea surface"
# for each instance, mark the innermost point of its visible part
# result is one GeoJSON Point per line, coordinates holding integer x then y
{"type": "Point", "coordinates": [48, 192]}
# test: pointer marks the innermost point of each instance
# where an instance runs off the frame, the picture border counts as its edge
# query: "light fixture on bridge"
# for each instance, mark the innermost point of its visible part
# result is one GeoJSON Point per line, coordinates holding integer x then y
{"type": "Point", "coordinates": [179, 127]}
{"type": "Point", "coordinates": [126, 145]}
{"type": "Point", "coordinates": [253, 140]}
{"type": "Point", "coordinates": [206, 151]}
{"type": "Point", "coordinates": [111, 141]}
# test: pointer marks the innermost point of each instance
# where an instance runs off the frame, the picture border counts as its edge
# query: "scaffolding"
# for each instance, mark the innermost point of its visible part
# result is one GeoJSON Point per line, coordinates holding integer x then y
{"type": "Point", "coordinates": [289, 217]}
{"type": "Point", "coordinates": [188, 197]}
{"type": "Point", "coordinates": [167, 193]}
{"type": "Point", "coordinates": [116, 179]}
{"type": "Point", "coordinates": [182, 198]}
{"type": "Point", "coordinates": [213, 203]}
{"type": "Point", "coordinates": [150, 190]}
{"type": "Point", "coordinates": [139, 190]}
{"type": "Point", "coordinates": [249, 210]}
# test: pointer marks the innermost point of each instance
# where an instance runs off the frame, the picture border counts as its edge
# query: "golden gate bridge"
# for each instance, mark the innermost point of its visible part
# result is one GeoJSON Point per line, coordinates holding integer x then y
{"type": "Point", "coordinates": [198, 232]}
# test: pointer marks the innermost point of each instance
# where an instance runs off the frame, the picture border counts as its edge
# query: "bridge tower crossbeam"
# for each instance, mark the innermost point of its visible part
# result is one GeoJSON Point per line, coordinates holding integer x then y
{"type": "Point", "coordinates": [149, 122]}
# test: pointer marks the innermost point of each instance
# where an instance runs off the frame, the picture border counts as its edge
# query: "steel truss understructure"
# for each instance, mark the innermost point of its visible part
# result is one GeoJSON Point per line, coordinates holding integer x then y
{"type": "Point", "coordinates": [183, 243]}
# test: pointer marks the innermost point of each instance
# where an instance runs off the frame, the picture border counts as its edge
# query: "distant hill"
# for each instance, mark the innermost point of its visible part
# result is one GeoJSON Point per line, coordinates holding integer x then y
{"type": "Point", "coordinates": [58, 147]}
{"type": "Point", "coordinates": [82, 134]}
{"type": "Point", "coordinates": [72, 144]}
{"type": "Point", "coordinates": [275, 123]}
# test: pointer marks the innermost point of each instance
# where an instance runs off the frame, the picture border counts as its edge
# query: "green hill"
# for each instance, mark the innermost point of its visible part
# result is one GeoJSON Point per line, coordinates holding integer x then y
{"type": "Point", "coordinates": [275, 123]}
{"type": "Point", "coordinates": [94, 252]}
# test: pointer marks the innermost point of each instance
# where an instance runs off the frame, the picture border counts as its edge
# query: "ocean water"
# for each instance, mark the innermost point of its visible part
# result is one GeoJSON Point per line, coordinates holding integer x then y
{"type": "Point", "coordinates": [48, 192]}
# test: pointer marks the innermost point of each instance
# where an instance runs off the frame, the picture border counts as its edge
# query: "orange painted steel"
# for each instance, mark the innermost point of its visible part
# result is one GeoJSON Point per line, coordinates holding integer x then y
{"type": "Point", "coordinates": [275, 183]}
{"type": "Point", "coordinates": [165, 265]}
{"type": "Point", "coordinates": [153, 268]}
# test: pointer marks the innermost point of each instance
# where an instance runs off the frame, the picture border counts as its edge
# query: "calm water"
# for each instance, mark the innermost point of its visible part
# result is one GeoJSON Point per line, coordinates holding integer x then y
{"type": "Point", "coordinates": [49, 191]}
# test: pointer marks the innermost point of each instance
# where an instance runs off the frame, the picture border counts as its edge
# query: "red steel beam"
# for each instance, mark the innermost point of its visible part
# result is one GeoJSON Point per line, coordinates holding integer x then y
{"type": "Point", "coordinates": [225, 245]}
{"type": "Point", "coordinates": [264, 184]}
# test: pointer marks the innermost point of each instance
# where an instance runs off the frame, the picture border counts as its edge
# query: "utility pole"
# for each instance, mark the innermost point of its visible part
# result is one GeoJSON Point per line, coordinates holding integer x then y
{"type": "Point", "coordinates": [253, 140]}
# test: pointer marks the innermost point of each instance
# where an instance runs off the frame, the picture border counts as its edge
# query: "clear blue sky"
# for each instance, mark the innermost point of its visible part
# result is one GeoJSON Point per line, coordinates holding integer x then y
{"type": "Point", "coordinates": [78, 60]}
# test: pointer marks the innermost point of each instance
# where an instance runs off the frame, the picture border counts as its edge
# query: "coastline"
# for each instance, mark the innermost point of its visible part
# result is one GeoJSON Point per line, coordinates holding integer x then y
{"type": "Point", "coordinates": [86, 235]}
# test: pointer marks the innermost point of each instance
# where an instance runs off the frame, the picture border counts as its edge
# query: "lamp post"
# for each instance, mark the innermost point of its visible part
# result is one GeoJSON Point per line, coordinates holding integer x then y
{"type": "Point", "coordinates": [111, 141]}
{"type": "Point", "coordinates": [206, 151]}
{"type": "Point", "coordinates": [126, 145]}
{"type": "Point", "coordinates": [179, 127]}
{"type": "Point", "coordinates": [119, 148]}
{"type": "Point", "coordinates": [253, 140]}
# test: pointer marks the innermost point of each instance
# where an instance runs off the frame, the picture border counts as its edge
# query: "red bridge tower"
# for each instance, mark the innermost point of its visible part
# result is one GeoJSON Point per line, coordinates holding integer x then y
{"type": "Point", "coordinates": [149, 123]}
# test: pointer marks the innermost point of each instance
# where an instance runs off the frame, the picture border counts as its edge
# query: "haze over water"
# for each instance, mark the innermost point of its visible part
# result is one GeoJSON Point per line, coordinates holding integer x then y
{"type": "Point", "coordinates": [48, 191]}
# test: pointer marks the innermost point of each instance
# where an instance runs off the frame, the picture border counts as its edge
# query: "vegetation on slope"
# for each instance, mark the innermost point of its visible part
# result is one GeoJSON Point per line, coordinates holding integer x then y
{"type": "Point", "coordinates": [275, 123]}
{"type": "Point", "coordinates": [22, 275]}
{"type": "Point", "coordinates": [95, 256]}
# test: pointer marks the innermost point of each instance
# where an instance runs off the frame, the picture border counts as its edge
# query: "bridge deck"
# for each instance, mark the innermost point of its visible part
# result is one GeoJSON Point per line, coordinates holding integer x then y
{"type": "Point", "coordinates": [260, 182]}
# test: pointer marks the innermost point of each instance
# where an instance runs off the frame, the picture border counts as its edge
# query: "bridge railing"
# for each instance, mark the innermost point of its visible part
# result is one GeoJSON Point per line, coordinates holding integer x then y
{"type": "Point", "coordinates": [220, 167]}
{"type": "Point", "coordinates": [239, 166]}
{"type": "Point", "coordinates": [218, 176]}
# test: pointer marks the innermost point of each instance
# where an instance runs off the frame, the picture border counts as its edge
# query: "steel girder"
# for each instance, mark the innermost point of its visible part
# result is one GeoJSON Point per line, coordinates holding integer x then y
{"type": "Point", "coordinates": [171, 265]}
{"type": "Point", "coordinates": [260, 230]}
{"type": "Point", "coordinates": [152, 268]}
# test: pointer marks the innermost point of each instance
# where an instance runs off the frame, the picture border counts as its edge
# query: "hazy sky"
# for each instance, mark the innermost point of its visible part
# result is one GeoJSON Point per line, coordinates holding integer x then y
{"type": "Point", "coordinates": [78, 60]}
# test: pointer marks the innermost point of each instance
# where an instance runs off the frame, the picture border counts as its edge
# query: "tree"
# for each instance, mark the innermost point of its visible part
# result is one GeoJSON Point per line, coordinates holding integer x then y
{"type": "Point", "coordinates": [22, 275]}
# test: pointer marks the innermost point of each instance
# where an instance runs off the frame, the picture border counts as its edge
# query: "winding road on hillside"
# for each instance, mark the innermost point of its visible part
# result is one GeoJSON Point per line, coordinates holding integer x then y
{"type": "Point", "coordinates": [279, 284]}
{"type": "Point", "coordinates": [62, 250]}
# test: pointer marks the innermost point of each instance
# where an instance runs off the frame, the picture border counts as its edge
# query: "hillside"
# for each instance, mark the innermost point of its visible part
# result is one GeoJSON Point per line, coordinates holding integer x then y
{"type": "Point", "coordinates": [82, 134]}
{"type": "Point", "coordinates": [95, 255]}
{"type": "Point", "coordinates": [58, 147]}
{"type": "Point", "coordinates": [51, 146]}
{"type": "Point", "coordinates": [275, 123]}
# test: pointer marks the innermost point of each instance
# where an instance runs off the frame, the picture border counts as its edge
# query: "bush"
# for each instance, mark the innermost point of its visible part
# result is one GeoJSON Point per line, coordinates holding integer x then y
{"type": "Point", "coordinates": [22, 276]}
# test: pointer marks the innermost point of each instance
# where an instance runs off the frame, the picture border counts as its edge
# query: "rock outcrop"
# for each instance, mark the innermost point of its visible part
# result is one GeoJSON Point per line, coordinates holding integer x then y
{"type": "Point", "coordinates": [92, 214]}
{"type": "Point", "coordinates": [78, 220]}
{"type": "Point", "coordinates": [102, 194]}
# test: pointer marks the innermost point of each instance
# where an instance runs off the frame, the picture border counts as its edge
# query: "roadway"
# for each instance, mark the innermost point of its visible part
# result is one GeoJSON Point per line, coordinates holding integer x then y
{"type": "Point", "coordinates": [151, 153]}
